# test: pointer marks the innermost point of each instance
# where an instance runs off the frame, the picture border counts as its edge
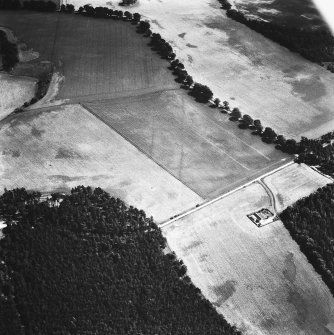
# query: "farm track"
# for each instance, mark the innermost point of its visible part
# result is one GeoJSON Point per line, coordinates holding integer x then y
{"type": "Point", "coordinates": [258, 180]}
{"type": "Point", "coordinates": [97, 98]}
{"type": "Point", "coordinates": [270, 194]}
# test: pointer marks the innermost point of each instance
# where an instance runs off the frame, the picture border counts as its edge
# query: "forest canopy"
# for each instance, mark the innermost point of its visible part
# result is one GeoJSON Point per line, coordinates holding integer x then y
{"type": "Point", "coordinates": [310, 222]}
{"type": "Point", "coordinates": [315, 45]}
{"type": "Point", "coordinates": [92, 265]}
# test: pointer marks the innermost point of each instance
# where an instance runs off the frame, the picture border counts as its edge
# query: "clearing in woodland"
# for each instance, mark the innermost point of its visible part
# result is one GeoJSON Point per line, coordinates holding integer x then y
{"type": "Point", "coordinates": [267, 81]}
{"type": "Point", "coordinates": [98, 57]}
{"type": "Point", "coordinates": [256, 277]}
{"type": "Point", "coordinates": [198, 145]}
{"type": "Point", "coordinates": [63, 147]}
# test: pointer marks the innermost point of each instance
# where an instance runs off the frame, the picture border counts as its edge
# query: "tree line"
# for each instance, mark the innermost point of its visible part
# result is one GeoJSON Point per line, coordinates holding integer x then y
{"type": "Point", "coordinates": [202, 93]}
{"type": "Point", "coordinates": [310, 222]}
{"type": "Point", "coordinates": [314, 45]}
{"type": "Point", "coordinates": [93, 266]}
{"type": "Point", "coordinates": [318, 152]}
{"type": "Point", "coordinates": [42, 87]}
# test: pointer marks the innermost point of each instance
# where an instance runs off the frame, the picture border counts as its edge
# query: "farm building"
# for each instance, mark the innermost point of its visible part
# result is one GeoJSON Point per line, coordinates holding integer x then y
{"type": "Point", "coordinates": [261, 217]}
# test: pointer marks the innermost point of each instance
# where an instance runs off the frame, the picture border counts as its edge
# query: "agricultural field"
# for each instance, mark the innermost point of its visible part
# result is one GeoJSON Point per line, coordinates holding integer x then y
{"type": "Point", "coordinates": [128, 128]}
{"type": "Point", "coordinates": [293, 183]}
{"type": "Point", "coordinates": [256, 277]}
{"type": "Point", "coordinates": [67, 146]}
{"type": "Point", "coordinates": [196, 144]}
{"type": "Point", "coordinates": [294, 13]}
{"type": "Point", "coordinates": [14, 92]}
{"type": "Point", "coordinates": [98, 58]}
{"type": "Point", "coordinates": [267, 81]}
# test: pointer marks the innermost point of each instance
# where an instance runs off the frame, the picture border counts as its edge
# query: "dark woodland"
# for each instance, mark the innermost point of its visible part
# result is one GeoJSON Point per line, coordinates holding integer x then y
{"type": "Point", "coordinates": [93, 266]}
{"type": "Point", "coordinates": [314, 45]}
{"type": "Point", "coordinates": [310, 222]}
{"type": "Point", "coordinates": [8, 52]}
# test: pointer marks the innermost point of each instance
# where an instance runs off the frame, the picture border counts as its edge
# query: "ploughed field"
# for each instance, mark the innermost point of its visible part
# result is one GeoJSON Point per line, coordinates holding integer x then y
{"type": "Point", "coordinates": [99, 58]}
{"type": "Point", "coordinates": [267, 81]}
{"type": "Point", "coordinates": [256, 277]}
{"type": "Point", "coordinates": [196, 144]}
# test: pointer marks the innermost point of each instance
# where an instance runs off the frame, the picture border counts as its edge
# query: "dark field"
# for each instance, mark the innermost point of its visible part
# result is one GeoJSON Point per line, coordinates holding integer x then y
{"type": "Point", "coordinates": [295, 13]}
{"type": "Point", "coordinates": [196, 144]}
{"type": "Point", "coordinates": [98, 57]}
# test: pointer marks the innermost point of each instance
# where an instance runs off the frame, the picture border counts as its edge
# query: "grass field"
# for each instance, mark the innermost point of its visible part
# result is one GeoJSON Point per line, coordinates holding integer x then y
{"type": "Point", "coordinates": [256, 277]}
{"type": "Point", "coordinates": [14, 92]}
{"type": "Point", "coordinates": [98, 57]}
{"type": "Point", "coordinates": [196, 144]}
{"type": "Point", "coordinates": [265, 80]}
{"type": "Point", "coordinates": [67, 146]}
{"type": "Point", "coordinates": [295, 13]}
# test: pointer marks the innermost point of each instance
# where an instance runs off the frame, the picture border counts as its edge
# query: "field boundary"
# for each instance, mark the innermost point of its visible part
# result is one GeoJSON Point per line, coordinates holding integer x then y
{"type": "Point", "coordinates": [137, 147]}
{"type": "Point", "coordinates": [323, 174]}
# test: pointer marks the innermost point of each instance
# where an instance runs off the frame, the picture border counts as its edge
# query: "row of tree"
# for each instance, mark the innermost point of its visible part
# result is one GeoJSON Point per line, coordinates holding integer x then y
{"type": "Point", "coordinates": [8, 52]}
{"type": "Point", "coordinates": [202, 93]}
{"type": "Point", "coordinates": [315, 45]}
{"type": "Point", "coordinates": [268, 134]}
{"type": "Point", "coordinates": [310, 222]}
{"type": "Point", "coordinates": [93, 266]}
{"type": "Point", "coordinates": [107, 13]}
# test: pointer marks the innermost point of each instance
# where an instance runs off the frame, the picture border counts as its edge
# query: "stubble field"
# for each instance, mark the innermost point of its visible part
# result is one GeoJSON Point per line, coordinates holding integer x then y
{"type": "Point", "coordinates": [99, 58]}
{"type": "Point", "coordinates": [63, 147]}
{"type": "Point", "coordinates": [196, 144]}
{"type": "Point", "coordinates": [256, 277]}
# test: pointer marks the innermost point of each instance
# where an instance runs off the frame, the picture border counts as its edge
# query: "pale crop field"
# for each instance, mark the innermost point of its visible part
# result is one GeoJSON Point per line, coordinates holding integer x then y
{"type": "Point", "coordinates": [256, 277]}
{"type": "Point", "coordinates": [67, 146]}
{"type": "Point", "coordinates": [14, 92]}
{"type": "Point", "coordinates": [293, 183]}
{"type": "Point", "coordinates": [267, 81]}
{"type": "Point", "coordinates": [196, 144]}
